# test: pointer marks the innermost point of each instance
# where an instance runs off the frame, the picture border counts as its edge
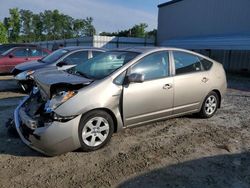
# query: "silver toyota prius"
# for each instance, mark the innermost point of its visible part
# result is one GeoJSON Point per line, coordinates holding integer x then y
{"type": "Point", "coordinates": [83, 106]}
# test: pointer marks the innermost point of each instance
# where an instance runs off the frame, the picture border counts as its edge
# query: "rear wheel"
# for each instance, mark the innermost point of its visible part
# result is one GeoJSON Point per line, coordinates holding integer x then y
{"type": "Point", "coordinates": [210, 105]}
{"type": "Point", "coordinates": [95, 130]}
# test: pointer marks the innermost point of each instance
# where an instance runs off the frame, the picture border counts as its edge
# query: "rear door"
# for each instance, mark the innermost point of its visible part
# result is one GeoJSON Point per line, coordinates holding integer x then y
{"type": "Point", "coordinates": [17, 56]}
{"type": "Point", "coordinates": [152, 99]}
{"type": "Point", "coordinates": [190, 82]}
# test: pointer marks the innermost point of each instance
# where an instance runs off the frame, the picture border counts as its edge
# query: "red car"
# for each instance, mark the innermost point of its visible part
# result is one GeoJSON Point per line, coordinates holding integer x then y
{"type": "Point", "coordinates": [17, 55]}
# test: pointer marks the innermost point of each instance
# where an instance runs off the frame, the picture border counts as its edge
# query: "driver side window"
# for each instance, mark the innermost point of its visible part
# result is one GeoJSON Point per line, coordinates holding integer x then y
{"type": "Point", "coordinates": [153, 66]}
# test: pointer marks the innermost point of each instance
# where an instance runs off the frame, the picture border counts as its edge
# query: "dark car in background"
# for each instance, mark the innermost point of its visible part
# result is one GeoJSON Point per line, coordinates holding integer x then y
{"type": "Point", "coordinates": [63, 58]}
{"type": "Point", "coordinates": [14, 56]}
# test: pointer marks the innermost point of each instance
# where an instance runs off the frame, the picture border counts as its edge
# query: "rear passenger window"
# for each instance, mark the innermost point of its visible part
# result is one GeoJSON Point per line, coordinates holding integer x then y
{"type": "Point", "coordinates": [206, 64]}
{"type": "Point", "coordinates": [153, 66]}
{"type": "Point", "coordinates": [96, 53]}
{"type": "Point", "coordinates": [186, 63]}
{"type": "Point", "coordinates": [76, 58]}
{"type": "Point", "coordinates": [21, 52]}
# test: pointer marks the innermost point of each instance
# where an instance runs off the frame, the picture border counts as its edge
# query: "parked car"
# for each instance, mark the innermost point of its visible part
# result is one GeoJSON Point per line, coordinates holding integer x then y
{"type": "Point", "coordinates": [5, 47]}
{"type": "Point", "coordinates": [66, 57]}
{"type": "Point", "coordinates": [10, 58]}
{"type": "Point", "coordinates": [83, 106]}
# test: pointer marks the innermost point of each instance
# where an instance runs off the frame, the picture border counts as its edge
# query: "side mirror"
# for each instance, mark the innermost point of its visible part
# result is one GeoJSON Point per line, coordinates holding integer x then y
{"type": "Point", "coordinates": [136, 78]}
{"type": "Point", "coordinates": [11, 55]}
{"type": "Point", "coordinates": [61, 64]}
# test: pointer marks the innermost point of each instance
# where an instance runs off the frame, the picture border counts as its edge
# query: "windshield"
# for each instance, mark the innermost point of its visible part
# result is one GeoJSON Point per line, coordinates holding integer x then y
{"type": "Point", "coordinates": [51, 58]}
{"type": "Point", "coordinates": [4, 48]}
{"type": "Point", "coordinates": [6, 52]}
{"type": "Point", "coordinates": [104, 64]}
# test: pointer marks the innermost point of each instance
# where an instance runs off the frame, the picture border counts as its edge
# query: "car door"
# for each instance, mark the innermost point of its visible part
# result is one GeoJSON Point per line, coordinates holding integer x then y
{"type": "Point", "coordinates": [190, 82]}
{"type": "Point", "coordinates": [16, 56]}
{"type": "Point", "coordinates": [152, 99]}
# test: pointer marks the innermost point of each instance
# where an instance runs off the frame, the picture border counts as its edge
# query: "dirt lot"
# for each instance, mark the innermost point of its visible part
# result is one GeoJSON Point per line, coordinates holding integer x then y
{"type": "Point", "coordinates": [180, 152]}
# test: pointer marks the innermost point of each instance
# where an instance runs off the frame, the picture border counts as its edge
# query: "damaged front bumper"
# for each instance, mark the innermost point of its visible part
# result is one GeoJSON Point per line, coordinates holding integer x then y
{"type": "Point", "coordinates": [49, 137]}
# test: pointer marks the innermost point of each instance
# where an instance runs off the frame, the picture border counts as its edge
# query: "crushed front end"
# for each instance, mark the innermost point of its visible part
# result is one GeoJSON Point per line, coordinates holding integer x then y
{"type": "Point", "coordinates": [44, 131]}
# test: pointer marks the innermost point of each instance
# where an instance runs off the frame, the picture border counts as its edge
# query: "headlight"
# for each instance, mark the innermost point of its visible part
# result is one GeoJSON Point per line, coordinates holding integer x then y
{"type": "Point", "coordinates": [58, 99]}
{"type": "Point", "coordinates": [29, 73]}
{"type": "Point", "coordinates": [24, 75]}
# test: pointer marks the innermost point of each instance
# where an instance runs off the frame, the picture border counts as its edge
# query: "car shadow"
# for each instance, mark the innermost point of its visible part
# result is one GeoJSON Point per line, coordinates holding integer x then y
{"type": "Point", "coordinates": [11, 143]}
{"type": "Point", "coordinates": [10, 85]}
{"type": "Point", "coordinates": [217, 171]}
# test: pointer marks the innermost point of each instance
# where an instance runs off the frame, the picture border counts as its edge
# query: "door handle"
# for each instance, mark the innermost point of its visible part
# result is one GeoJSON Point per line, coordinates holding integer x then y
{"type": "Point", "coordinates": [167, 86]}
{"type": "Point", "coordinates": [205, 79]}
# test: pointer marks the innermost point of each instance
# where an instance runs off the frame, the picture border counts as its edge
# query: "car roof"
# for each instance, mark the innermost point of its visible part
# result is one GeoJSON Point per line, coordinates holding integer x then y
{"type": "Point", "coordinates": [145, 49]}
{"type": "Point", "coordinates": [72, 48]}
{"type": "Point", "coordinates": [18, 45]}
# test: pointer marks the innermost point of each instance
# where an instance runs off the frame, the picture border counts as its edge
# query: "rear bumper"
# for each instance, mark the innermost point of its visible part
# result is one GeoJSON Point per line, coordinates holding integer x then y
{"type": "Point", "coordinates": [52, 139]}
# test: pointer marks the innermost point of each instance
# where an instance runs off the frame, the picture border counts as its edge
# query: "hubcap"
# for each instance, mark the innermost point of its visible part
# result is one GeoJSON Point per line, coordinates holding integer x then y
{"type": "Point", "coordinates": [95, 131]}
{"type": "Point", "coordinates": [210, 105]}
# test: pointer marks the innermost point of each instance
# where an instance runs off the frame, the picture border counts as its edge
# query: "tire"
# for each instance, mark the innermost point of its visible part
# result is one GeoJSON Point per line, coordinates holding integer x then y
{"type": "Point", "coordinates": [95, 130]}
{"type": "Point", "coordinates": [209, 106]}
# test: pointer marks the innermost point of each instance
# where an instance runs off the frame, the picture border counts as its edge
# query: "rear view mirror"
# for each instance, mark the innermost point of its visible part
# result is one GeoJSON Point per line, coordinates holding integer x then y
{"type": "Point", "coordinates": [61, 64]}
{"type": "Point", "coordinates": [136, 78]}
{"type": "Point", "coordinates": [11, 55]}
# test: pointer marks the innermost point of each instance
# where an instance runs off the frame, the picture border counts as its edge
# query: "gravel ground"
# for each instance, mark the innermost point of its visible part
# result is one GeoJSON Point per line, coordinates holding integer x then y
{"type": "Point", "coordinates": [180, 152]}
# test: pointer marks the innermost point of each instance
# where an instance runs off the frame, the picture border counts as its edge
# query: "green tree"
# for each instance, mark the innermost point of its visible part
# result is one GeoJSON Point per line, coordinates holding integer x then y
{"type": "Point", "coordinates": [78, 27]}
{"type": "Point", "coordinates": [138, 30]}
{"type": "Point", "coordinates": [88, 27]}
{"type": "Point", "coordinates": [13, 24]}
{"type": "Point", "coordinates": [47, 24]}
{"type": "Point", "coordinates": [3, 34]}
{"type": "Point", "coordinates": [26, 24]}
{"type": "Point", "coordinates": [152, 34]}
{"type": "Point", "coordinates": [66, 27]}
{"type": "Point", "coordinates": [37, 27]}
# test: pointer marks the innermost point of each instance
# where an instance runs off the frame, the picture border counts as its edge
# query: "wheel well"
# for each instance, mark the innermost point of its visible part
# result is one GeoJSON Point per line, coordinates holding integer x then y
{"type": "Point", "coordinates": [110, 113]}
{"type": "Point", "coordinates": [219, 95]}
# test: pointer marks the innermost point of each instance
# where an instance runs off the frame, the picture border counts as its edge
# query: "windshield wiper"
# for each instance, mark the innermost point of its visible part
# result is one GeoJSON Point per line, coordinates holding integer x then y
{"type": "Point", "coordinates": [39, 60]}
{"type": "Point", "coordinates": [82, 74]}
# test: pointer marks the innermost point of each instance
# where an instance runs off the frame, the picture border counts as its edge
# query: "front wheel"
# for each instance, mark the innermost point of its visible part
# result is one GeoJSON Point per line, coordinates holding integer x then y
{"type": "Point", "coordinates": [210, 105]}
{"type": "Point", "coordinates": [95, 130]}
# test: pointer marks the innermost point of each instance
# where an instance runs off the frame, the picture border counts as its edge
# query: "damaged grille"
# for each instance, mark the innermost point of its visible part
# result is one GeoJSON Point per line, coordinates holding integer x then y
{"type": "Point", "coordinates": [34, 108]}
{"type": "Point", "coordinates": [34, 105]}
{"type": "Point", "coordinates": [26, 131]}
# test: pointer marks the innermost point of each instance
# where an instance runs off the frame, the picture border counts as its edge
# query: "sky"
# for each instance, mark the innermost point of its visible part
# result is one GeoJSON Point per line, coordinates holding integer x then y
{"type": "Point", "coordinates": [108, 15]}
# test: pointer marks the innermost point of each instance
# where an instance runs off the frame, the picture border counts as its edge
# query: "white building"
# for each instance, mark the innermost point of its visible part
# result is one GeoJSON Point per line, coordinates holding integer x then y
{"type": "Point", "coordinates": [217, 28]}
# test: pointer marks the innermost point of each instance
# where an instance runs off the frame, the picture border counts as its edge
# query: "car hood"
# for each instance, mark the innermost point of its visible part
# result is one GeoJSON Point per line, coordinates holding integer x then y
{"type": "Point", "coordinates": [48, 79]}
{"type": "Point", "coordinates": [30, 65]}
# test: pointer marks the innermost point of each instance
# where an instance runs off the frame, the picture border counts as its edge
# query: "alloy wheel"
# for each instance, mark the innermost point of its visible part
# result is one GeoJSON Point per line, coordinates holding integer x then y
{"type": "Point", "coordinates": [210, 105]}
{"type": "Point", "coordinates": [95, 131]}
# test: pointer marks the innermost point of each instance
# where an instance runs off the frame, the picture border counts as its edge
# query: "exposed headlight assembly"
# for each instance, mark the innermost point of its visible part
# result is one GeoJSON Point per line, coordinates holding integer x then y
{"type": "Point", "coordinates": [25, 75]}
{"type": "Point", "coordinates": [58, 100]}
